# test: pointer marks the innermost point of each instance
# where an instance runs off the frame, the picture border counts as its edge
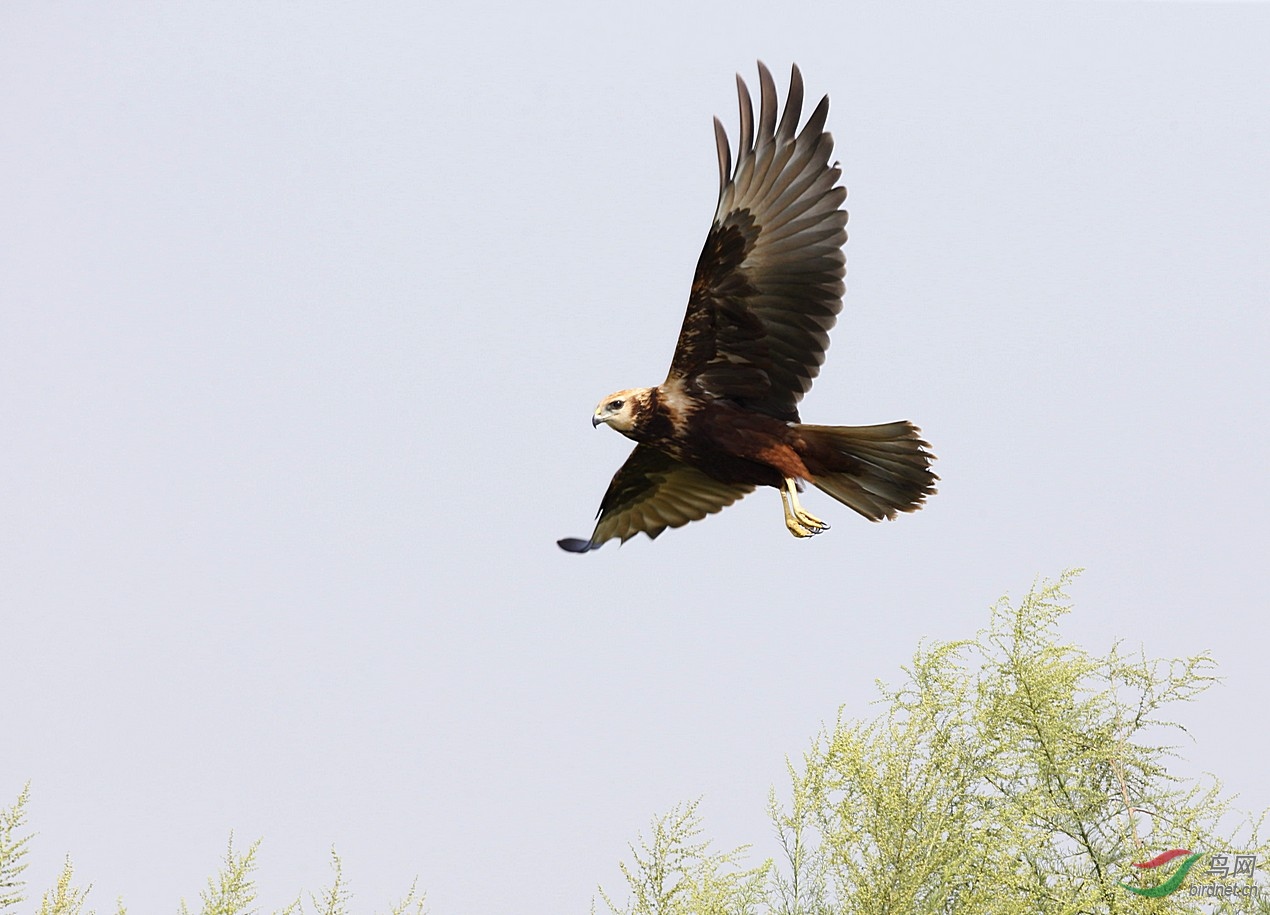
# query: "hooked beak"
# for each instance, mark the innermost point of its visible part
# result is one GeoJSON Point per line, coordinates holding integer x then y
{"type": "Point", "coordinates": [595, 420]}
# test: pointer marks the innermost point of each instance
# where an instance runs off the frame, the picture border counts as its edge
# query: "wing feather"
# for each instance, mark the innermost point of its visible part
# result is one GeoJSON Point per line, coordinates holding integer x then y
{"type": "Point", "coordinates": [767, 104]}
{"type": "Point", "coordinates": [746, 118]}
{"type": "Point", "coordinates": [651, 492]}
{"type": "Point", "coordinates": [793, 106]}
{"type": "Point", "coordinates": [769, 282]}
{"type": "Point", "coordinates": [725, 153]}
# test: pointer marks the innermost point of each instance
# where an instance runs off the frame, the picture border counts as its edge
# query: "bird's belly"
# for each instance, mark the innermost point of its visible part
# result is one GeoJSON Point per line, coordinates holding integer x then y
{"type": "Point", "coordinates": [730, 444]}
{"type": "Point", "coordinates": [722, 464]}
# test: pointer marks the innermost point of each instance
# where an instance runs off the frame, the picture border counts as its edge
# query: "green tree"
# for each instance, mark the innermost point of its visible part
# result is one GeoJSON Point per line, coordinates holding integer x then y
{"type": "Point", "coordinates": [1009, 773]}
{"type": "Point", "coordinates": [65, 898]}
{"type": "Point", "coordinates": [676, 874]}
{"type": "Point", "coordinates": [13, 850]}
{"type": "Point", "coordinates": [232, 891]}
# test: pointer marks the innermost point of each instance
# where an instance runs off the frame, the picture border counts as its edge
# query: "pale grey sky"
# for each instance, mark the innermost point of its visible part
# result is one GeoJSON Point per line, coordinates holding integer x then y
{"type": "Point", "coordinates": [303, 313]}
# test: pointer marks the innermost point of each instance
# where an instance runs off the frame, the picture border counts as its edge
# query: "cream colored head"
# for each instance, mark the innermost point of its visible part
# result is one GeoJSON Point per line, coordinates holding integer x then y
{"type": "Point", "coordinates": [622, 409]}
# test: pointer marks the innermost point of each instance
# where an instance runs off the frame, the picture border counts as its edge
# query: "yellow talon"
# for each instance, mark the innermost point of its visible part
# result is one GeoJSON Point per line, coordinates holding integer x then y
{"type": "Point", "coordinates": [800, 522]}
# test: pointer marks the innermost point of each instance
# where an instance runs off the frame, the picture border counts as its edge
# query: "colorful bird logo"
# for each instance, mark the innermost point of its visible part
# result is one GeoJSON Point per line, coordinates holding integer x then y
{"type": "Point", "coordinates": [1170, 886]}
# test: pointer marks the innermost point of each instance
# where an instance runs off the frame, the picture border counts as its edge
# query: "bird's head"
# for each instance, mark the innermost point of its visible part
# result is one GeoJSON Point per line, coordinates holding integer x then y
{"type": "Point", "coordinates": [621, 410]}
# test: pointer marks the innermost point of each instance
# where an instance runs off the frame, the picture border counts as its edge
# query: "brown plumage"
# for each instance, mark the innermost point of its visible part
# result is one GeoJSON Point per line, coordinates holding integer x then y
{"type": "Point", "coordinates": [767, 290]}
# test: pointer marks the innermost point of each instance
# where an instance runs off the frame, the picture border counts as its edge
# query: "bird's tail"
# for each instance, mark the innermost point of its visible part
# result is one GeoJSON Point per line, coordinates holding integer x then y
{"type": "Point", "coordinates": [875, 470]}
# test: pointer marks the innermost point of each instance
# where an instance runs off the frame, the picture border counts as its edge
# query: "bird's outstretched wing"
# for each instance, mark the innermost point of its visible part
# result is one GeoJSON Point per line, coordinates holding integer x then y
{"type": "Point", "coordinates": [768, 285]}
{"type": "Point", "coordinates": [651, 492]}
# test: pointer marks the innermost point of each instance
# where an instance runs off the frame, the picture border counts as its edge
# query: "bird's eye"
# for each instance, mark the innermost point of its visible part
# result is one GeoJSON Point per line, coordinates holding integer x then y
{"type": "Point", "coordinates": [615, 405]}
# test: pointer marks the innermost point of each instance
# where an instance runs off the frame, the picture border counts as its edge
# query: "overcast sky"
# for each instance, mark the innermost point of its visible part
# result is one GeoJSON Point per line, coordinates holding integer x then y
{"type": "Point", "coordinates": [303, 313]}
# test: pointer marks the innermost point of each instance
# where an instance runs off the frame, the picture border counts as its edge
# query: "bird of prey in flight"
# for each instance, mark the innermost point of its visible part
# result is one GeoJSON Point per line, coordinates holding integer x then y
{"type": "Point", "coordinates": [767, 290]}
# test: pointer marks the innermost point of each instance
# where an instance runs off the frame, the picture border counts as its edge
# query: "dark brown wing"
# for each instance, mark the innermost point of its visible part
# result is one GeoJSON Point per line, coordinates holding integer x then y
{"type": "Point", "coordinates": [768, 285]}
{"type": "Point", "coordinates": [652, 492]}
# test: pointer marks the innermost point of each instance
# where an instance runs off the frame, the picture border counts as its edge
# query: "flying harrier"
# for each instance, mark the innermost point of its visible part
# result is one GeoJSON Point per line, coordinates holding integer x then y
{"type": "Point", "coordinates": [767, 290]}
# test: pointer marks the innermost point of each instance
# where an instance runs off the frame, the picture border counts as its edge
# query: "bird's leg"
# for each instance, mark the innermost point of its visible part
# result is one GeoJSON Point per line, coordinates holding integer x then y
{"type": "Point", "coordinates": [792, 522]}
{"type": "Point", "coordinates": [800, 522]}
{"type": "Point", "coordinates": [807, 518]}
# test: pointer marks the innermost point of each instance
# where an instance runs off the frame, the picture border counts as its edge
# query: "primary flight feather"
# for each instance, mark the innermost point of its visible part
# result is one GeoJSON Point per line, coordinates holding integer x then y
{"type": "Point", "coordinates": [767, 290]}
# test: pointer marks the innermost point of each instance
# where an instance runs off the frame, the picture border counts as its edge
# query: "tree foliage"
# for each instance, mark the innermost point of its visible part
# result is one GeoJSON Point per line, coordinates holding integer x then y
{"type": "Point", "coordinates": [65, 898]}
{"type": "Point", "coordinates": [1009, 773]}
{"type": "Point", "coordinates": [13, 850]}
{"type": "Point", "coordinates": [231, 891]}
{"type": "Point", "coordinates": [673, 873]}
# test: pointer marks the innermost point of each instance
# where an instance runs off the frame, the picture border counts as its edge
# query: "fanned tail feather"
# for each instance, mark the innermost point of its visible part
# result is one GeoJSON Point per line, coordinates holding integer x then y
{"type": "Point", "coordinates": [876, 470]}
